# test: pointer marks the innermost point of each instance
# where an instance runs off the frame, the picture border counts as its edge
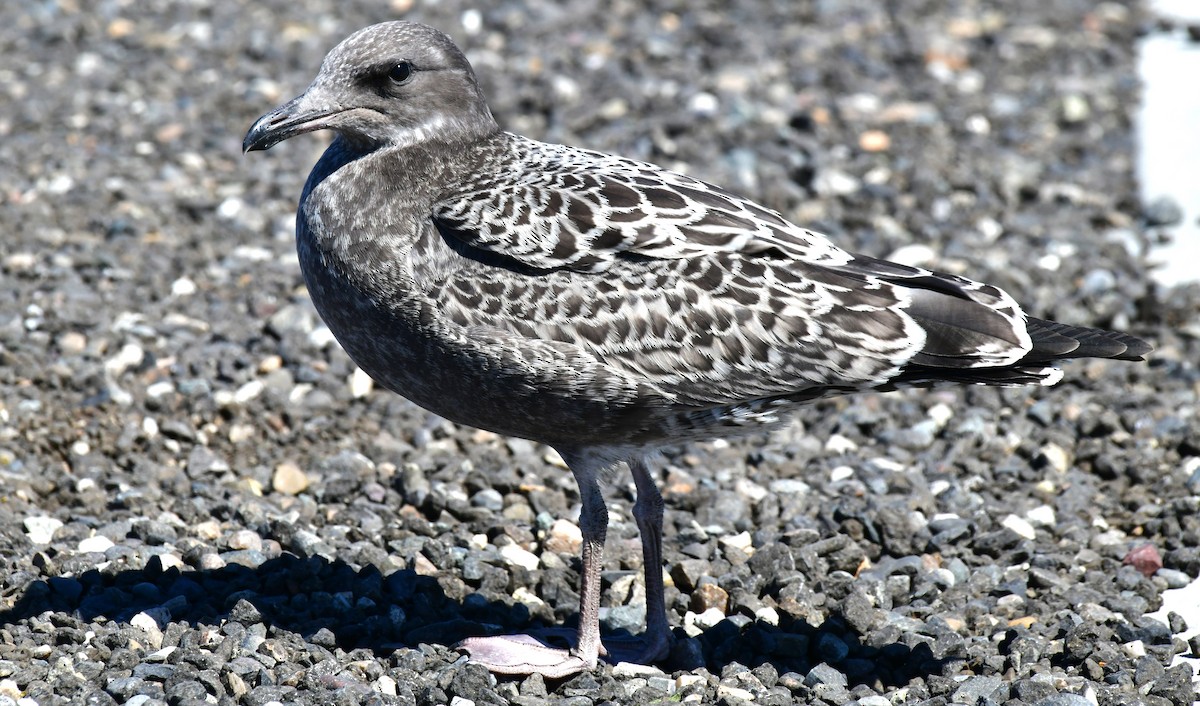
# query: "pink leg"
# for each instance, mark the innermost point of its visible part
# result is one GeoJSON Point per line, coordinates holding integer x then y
{"type": "Point", "coordinates": [524, 654]}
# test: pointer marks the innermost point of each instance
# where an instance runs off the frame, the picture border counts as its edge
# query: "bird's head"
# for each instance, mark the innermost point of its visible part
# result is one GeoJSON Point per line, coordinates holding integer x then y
{"type": "Point", "coordinates": [390, 84]}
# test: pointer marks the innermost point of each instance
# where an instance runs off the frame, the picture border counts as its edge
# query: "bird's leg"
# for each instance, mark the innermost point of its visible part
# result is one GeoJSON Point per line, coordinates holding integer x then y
{"type": "Point", "coordinates": [593, 525]}
{"type": "Point", "coordinates": [648, 512]}
{"type": "Point", "coordinates": [655, 643]}
{"type": "Point", "coordinates": [525, 654]}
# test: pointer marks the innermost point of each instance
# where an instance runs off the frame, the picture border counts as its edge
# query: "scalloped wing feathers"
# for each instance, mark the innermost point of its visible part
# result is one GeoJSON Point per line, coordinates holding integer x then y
{"type": "Point", "coordinates": [708, 297]}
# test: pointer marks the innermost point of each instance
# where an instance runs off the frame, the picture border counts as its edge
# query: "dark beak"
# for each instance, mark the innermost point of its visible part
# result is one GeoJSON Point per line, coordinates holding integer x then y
{"type": "Point", "coordinates": [288, 120]}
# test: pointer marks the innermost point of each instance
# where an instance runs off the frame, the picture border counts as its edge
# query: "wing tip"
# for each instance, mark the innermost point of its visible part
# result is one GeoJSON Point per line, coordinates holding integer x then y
{"type": "Point", "coordinates": [1053, 340]}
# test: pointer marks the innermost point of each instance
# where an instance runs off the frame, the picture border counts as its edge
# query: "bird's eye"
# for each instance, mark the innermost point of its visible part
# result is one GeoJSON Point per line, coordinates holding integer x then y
{"type": "Point", "coordinates": [401, 72]}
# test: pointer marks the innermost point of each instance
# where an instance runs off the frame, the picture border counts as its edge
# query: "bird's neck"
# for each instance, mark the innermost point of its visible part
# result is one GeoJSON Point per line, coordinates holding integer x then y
{"type": "Point", "coordinates": [401, 177]}
{"type": "Point", "coordinates": [364, 208]}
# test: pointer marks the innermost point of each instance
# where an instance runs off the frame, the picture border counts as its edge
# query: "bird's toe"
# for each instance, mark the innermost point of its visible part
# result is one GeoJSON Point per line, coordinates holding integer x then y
{"type": "Point", "coordinates": [521, 655]}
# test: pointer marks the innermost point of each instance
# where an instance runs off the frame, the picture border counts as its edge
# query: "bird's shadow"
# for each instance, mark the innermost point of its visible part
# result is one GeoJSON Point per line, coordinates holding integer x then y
{"type": "Point", "coordinates": [336, 605]}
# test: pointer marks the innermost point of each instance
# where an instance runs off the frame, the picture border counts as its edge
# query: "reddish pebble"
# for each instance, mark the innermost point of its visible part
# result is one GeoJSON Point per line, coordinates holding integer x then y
{"type": "Point", "coordinates": [1145, 558]}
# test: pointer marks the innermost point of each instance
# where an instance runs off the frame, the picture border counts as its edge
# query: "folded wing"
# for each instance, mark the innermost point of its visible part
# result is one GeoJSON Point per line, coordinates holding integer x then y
{"type": "Point", "coordinates": [710, 299]}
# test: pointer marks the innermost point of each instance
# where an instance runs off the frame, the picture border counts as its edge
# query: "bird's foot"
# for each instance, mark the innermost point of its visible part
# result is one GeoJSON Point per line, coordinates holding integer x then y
{"type": "Point", "coordinates": [523, 654]}
{"type": "Point", "coordinates": [638, 649]}
{"type": "Point", "coordinates": [538, 654]}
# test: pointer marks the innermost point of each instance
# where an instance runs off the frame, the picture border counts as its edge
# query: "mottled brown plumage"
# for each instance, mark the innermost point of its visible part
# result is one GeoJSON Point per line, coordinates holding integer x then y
{"type": "Point", "coordinates": [604, 306]}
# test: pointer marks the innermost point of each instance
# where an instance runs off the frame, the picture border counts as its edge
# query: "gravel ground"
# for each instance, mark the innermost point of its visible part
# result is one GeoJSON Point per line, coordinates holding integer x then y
{"type": "Point", "coordinates": [203, 503]}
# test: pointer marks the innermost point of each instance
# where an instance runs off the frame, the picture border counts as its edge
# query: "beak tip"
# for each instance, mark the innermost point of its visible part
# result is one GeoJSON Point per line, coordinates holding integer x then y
{"type": "Point", "coordinates": [286, 121]}
{"type": "Point", "coordinates": [257, 137]}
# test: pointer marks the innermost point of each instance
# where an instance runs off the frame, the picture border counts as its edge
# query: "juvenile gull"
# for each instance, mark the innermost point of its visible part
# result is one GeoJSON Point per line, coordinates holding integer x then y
{"type": "Point", "coordinates": [600, 305]}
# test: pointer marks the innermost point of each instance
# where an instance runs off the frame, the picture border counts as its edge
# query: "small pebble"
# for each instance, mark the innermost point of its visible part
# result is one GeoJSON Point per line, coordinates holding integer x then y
{"type": "Point", "coordinates": [1020, 526]}
{"type": "Point", "coordinates": [40, 529]}
{"type": "Point", "coordinates": [767, 615]}
{"type": "Point", "coordinates": [729, 693]}
{"type": "Point", "coordinates": [1145, 558]}
{"type": "Point", "coordinates": [96, 543]}
{"type": "Point", "coordinates": [1042, 515]}
{"type": "Point", "coordinates": [488, 499]}
{"type": "Point", "coordinates": [183, 287]}
{"type": "Point", "coordinates": [709, 596]}
{"type": "Point", "coordinates": [825, 674]}
{"type": "Point", "coordinates": [742, 541]}
{"type": "Point", "coordinates": [10, 689]}
{"type": "Point", "coordinates": [838, 444]}
{"type": "Point", "coordinates": [1075, 109]}
{"type": "Point", "coordinates": [515, 555]}
{"type": "Point", "coordinates": [386, 685]}
{"type": "Point", "coordinates": [632, 669]}
{"type": "Point", "coordinates": [1055, 457]}
{"type": "Point", "coordinates": [245, 539]}
{"type": "Point", "coordinates": [248, 392]}
{"type": "Point", "coordinates": [564, 537]}
{"type": "Point", "coordinates": [1163, 211]}
{"type": "Point", "coordinates": [703, 621]}
{"type": "Point", "coordinates": [1174, 578]}
{"type": "Point", "coordinates": [72, 343]}
{"type": "Point", "coordinates": [361, 384]}
{"type": "Point", "coordinates": [149, 625]}
{"type": "Point", "coordinates": [841, 473]}
{"type": "Point", "coordinates": [874, 141]}
{"type": "Point", "coordinates": [289, 479]}
{"type": "Point", "coordinates": [526, 597]}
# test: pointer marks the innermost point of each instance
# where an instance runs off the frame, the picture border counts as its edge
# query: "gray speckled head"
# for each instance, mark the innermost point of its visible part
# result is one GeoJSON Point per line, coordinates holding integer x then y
{"type": "Point", "coordinates": [390, 84]}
